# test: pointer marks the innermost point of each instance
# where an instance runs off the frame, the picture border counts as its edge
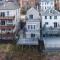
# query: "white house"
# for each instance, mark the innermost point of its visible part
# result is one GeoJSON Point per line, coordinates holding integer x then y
{"type": "Point", "coordinates": [51, 19]}
{"type": "Point", "coordinates": [9, 18]}
{"type": "Point", "coordinates": [32, 23]}
{"type": "Point", "coordinates": [31, 29]}
{"type": "Point", "coordinates": [45, 4]}
{"type": "Point", "coordinates": [3, 1]}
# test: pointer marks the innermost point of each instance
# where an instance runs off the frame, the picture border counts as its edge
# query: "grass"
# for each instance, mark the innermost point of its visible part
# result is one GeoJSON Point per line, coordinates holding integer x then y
{"type": "Point", "coordinates": [14, 52]}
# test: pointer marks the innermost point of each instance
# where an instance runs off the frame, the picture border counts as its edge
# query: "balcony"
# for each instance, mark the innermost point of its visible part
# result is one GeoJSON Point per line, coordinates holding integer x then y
{"type": "Point", "coordinates": [28, 30]}
{"type": "Point", "coordinates": [51, 31]}
{"type": "Point", "coordinates": [6, 31]}
{"type": "Point", "coordinates": [7, 36]}
{"type": "Point", "coordinates": [7, 27]}
{"type": "Point", "coordinates": [7, 18]}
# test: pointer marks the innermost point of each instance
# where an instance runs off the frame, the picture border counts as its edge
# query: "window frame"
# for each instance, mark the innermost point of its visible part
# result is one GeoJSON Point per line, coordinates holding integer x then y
{"type": "Point", "coordinates": [50, 17]}
{"type": "Point", "coordinates": [55, 24]}
{"type": "Point", "coordinates": [55, 17]}
{"type": "Point", "coordinates": [32, 35]}
{"type": "Point", "coordinates": [3, 22]}
{"type": "Point", "coordinates": [45, 17]}
{"type": "Point", "coordinates": [30, 16]}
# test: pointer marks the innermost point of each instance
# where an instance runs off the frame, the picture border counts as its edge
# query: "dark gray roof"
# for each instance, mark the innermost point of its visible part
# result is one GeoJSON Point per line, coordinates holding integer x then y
{"type": "Point", "coordinates": [9, 6]}
{"type": "Point", "coordinates": [51, 12]}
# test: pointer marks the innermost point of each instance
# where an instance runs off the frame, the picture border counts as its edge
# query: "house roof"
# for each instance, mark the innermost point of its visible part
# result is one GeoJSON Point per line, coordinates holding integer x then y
{"type": "Point", "coordinates": [9, 6]}
{"type": "Point", "coordinates": [32, 9]}
{"type": "Point", "coordinates": [51, 12]}
{"type": "Point", "coordinates": [34, 12]}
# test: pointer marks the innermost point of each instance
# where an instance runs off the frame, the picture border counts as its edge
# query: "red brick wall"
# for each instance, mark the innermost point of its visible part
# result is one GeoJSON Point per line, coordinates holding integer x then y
{"type": "Point", "coordinates": [24, 2]}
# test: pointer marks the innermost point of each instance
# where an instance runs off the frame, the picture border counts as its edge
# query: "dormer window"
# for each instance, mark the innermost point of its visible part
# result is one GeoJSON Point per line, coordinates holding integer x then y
{"type": "Point", "coordinates": [30, 16]}
{"type": "Point", "coordinates": [52, 11]}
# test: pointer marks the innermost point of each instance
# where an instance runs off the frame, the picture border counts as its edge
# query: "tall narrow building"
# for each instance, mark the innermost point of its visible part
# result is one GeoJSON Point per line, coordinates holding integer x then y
{"type": "Point", "coordinates": [57, 4]}
{"type": "Point", "coordinates": [9, 17]}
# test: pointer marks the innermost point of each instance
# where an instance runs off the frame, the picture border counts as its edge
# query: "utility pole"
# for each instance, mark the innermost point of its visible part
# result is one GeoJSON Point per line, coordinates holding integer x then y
{"type": "Point", "coordinates": [40, 41]}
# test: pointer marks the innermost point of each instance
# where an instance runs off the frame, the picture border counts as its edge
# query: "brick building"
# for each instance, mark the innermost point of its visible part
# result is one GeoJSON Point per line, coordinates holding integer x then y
{"type": "Point", "coordinates": [24, 3]}
{"type": "Point", "coordinates": [57, 4]}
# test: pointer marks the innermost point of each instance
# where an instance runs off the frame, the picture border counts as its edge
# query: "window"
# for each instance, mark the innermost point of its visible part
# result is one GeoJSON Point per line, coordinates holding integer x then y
{"type": "Point", "coordinates": [28, 26]}
{"type": "Point", "coordinates": [55, 17]}
{"type": "Point", "coordinates": [55, 24]}
{"type": "Point", "coordinates": [32, 35]}
{"type": "Point", "coordinates": [34, 26]}
{"type": "Point", "coordinates": [45, 3]}
{"type": "Point", "coordinates": [45, 7]}
{"type": "Point", "coordinates": [7, 13]}
{"type": "Point", "coordinates": [52, 11]}
{"type": "Point", "coordinates": [41, 3]}
{"type": "Point", "coordinates": [2, 14]}
{"type": "Point", "coordinates": [45, 17]}
{"type": "Point", "coordinates": [46, 23]}
{"type": "Point", "coordinates": [31, 26]}
{"type": "Point", "coordinates": [50, 17]}
{"type": "Point", "coordinates": [31, 16]}
{"type": "Point", "coordinates": [2, 22]}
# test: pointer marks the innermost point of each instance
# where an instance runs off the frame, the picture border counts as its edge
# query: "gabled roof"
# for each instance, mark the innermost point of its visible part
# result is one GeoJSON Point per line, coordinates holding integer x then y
{"type": "Point", "coordinates": [51, 12]}
{"type": "Point", "coordinates": [9, 6]}
{"type": "Point", "coordinates": [32, 9]}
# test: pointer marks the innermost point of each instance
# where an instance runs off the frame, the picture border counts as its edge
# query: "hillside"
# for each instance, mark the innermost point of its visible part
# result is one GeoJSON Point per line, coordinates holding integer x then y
{"type": "Point", "coordinates": [13, 52]}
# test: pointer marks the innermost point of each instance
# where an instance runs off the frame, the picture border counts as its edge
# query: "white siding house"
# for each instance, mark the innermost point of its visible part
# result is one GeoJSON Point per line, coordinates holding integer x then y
{"type": "Point", "coordinates": [32, 24]}
{"type": "Point", "coordinates": [51, 18]}
{"type": "Point", "coordinates": [31, 29]}
{"type": "Point", "coordinates": [45, 4]}
{"type": "Point", "coordinates": [2, 1]}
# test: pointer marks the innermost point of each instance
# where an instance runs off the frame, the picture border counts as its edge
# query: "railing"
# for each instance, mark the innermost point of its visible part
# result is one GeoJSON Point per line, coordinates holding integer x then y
{"type": "Point", "coordinates": [7, 36]}
{"type": "Point", "coordinates": [7, 27]}
{"type": "Point", "coordinates": [32, 30]}
{"type": "Point", "coordinates": [51, 31]}
{"type": "Point", "coordinates": [7, 18]}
